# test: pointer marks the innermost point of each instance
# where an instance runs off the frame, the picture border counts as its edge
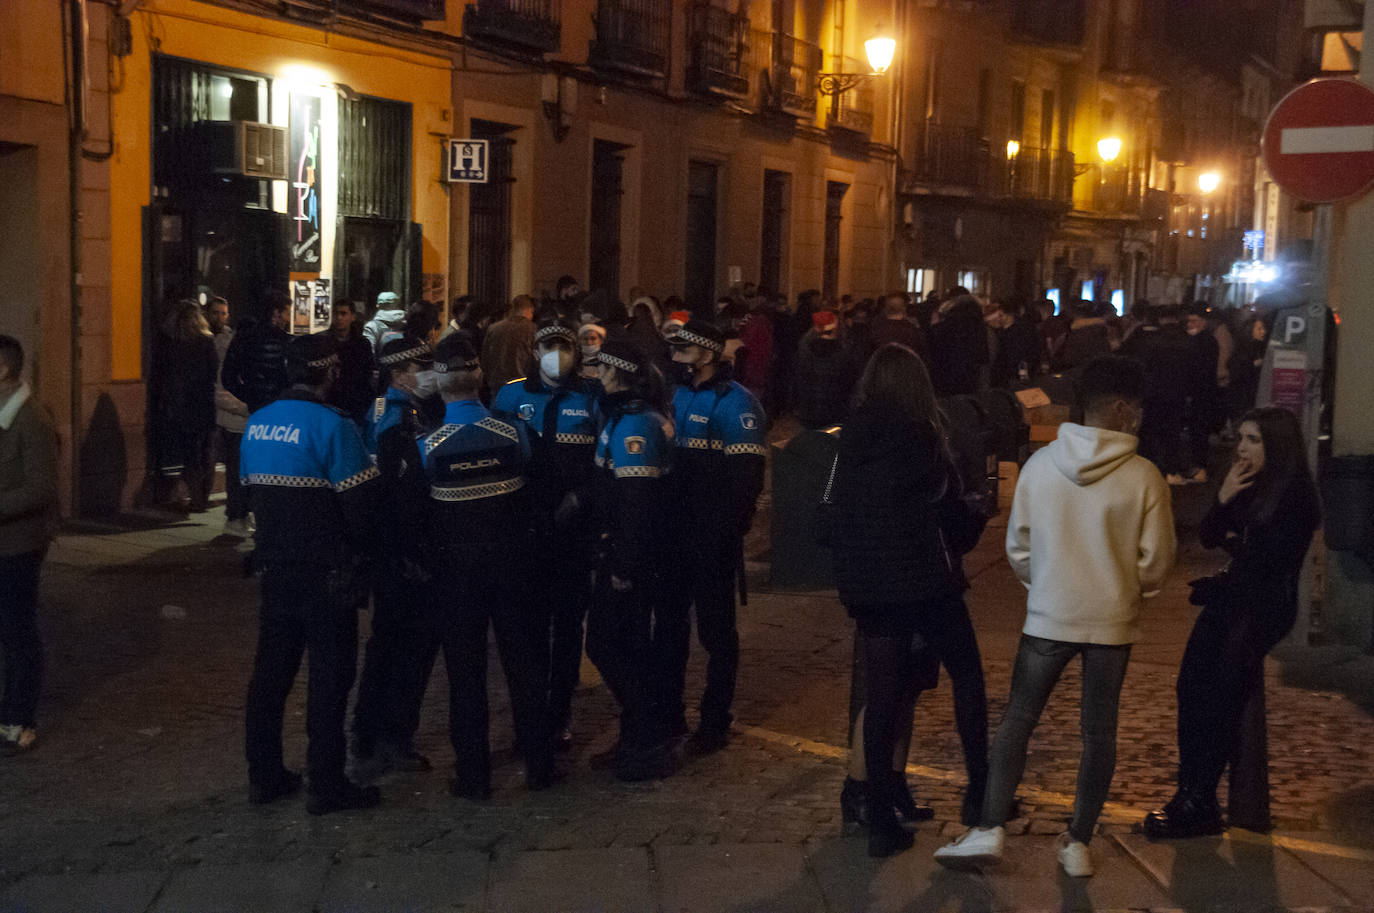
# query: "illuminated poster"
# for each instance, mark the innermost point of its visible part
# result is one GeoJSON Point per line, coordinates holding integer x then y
{"type": "Point", "coordinates": [312, 309]}
{"type": "Point", "coordinates": [303, 195]}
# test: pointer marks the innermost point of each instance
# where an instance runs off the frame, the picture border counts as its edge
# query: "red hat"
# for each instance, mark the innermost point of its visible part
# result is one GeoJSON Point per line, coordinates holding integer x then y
{"type": "Point", "coordinates": [679, 316]}
{"type": "Point", "coordinates": [825, 321]}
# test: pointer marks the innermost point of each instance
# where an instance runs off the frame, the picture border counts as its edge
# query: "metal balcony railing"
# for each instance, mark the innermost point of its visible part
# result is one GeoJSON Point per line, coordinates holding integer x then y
{"type": "Point", "coordinates": [1038, 174]}
{"type": "Point", "coordinates": [531, 24]}
{"type": "Point", "coordinates": [1120, 190]}
{"type": "Point", "coordinates": [1049, 21]}
{"type": "Point", "coordinates": [960, 157]}
{"type": "Point", "coordinates": [633, 36]}
{"type": "Point", "coordinates": [793, 69]}
{"type": "Point", "coordinates": [954, 156]}
{"type": "Point", "coordinates": [720, 51]}
{"type": "Point", "coordinates": [853, 110]}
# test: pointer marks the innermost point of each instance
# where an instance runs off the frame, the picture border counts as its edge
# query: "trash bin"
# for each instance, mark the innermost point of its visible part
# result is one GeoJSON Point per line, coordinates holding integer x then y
{"type": "Point", "coordinates": [1348, 496]}
{"type": "Point", "coordinates": [800, 471]}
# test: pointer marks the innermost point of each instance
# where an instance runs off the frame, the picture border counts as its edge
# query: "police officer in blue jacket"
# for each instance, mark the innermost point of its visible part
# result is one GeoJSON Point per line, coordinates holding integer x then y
{"type": "Point", "coordinates": [313, 488]}
{"type": "Point", "coordinates": [558, 406]}
{"type": "Point", "coordinates": [633, 458]}
{"type": "Point", "coordinates": [718, 474]}
{"type": "Point", "coordinates": [479, 522]}
{"type": "Point", "coordinates": [404, 641]}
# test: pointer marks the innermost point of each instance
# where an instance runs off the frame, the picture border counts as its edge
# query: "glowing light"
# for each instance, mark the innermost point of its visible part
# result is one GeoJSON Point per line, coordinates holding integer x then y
{"type": "Point", "coordinates": [1108, 148]}
{"type": "Point", "coordinates": [305, 76]}
{"type": "Point", "coordinates": [1053, 295]}
{"type": "Point", "coordinates": [1088, 290]}
{"type": "Point", "coordinates": [1013, 147]}
{"type": "Point", "coordinates": [880, 52]}
{"type": "Point", "coordinates": [1119, 302]}
{"type": "Point", "coordinates": [1208, 181]}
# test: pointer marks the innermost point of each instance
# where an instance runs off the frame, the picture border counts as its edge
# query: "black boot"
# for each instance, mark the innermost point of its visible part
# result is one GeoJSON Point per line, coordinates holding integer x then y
{"type": "Point", "coordinates": [853, 807]}
{"type": "Point", "coordinates": [905, 803]}
{"type": "Point", "coordinates": [886, 835]}
{"type": "Point", "coordinates": [1190, 813]}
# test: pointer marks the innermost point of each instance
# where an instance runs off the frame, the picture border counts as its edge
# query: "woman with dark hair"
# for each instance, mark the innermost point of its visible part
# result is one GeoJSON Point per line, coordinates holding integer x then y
{"type": "Point", "coordinates": [181, 394]}
{"type": "Point", "coordinates": [898, 577]}
{"type": "Point", "coordinates": [1264, 516]}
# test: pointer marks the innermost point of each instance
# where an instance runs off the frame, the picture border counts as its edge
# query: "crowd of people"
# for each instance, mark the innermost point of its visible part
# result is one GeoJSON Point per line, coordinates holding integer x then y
{"type": "Point", "coordinates": [581, 472]}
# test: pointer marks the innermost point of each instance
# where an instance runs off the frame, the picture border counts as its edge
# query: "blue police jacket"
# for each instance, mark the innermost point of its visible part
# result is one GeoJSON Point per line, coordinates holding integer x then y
{"type": "Point", "coordinates": [720, 452]}
{"type": "Point", "coordinates": [393, 424]}
{"type": "Point", "coordinates": [563, 426]}
{"type": "Point", "coordinates": [475, 465]}
{"type": "Point", "coordinates": [312, 483]}
{"type": "Point", "coordinates": [634, 454]}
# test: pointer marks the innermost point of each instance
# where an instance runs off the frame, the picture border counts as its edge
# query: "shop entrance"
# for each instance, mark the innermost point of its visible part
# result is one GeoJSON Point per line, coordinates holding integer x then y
{"type": "Point", "coordinates": [19, 257]}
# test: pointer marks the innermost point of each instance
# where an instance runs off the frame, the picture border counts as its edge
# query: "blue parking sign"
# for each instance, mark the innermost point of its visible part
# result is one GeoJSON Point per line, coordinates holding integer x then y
{"type": "Point", "coordinates": [467, 161]}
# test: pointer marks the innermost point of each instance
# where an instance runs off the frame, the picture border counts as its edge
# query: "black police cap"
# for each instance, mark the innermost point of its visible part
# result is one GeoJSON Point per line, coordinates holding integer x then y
{"type": "Point", "coordinates": [315, 351]}
{"type": "Point", "coordinates": [555, 328]}
{"type": "Point", "coordinates": [403, 349]}
{"type": "Point", "coordinates": [455, 353]}
{"type": "Point", "coordinates": [622, 353]}
{"type": "Point", "coordinates": [699, 333]}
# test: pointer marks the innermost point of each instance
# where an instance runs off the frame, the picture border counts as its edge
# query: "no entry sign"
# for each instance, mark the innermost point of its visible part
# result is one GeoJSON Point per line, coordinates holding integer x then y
{"type": "Point", "coordinates": [1319, 141]}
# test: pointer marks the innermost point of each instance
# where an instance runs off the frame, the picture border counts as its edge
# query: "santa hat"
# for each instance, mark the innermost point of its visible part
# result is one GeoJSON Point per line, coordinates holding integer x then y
{"type": "Point", "coordinates": [677, 318]}
{"type": "Point", "coordinates": [594, 327]}
{"type": "Point", "coordinates": [824, 321]}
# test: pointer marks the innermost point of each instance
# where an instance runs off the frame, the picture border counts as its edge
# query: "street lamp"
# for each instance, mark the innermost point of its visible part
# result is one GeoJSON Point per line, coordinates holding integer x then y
{"type": "Point", "coordinates": [1108, 148]}
{"type": "Point", "coordinates": [1208, 181]}
{"type": "Point", "coordinates": [880, 50]}
{"type": "Point", "coordinates": [1013, 147]}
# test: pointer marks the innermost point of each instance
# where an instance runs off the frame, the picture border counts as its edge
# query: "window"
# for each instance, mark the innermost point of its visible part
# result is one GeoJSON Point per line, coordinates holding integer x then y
{"type": "Point", "coordinates": [920, 281]}
{"type": "Point", "coordinates": [834, 215]}
{"type": "Point", "coordinates": [604, 251]}
{"type": "Point", "coordinates": [699, 289]}
{"type": "Point", "coordinates": [1018, 110]}
{"type": "Point", "coordinates": [489, 219]}
{"type": "Point", "coordinates": [777, 190]}
{"type": "Point", "coordinates": [1047, 118]}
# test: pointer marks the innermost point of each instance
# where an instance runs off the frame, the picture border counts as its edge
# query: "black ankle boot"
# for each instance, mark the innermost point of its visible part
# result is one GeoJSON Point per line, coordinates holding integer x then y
{"type": "Point", "coordinates": [1190, 813]}
{"type": "Point", "coordinates": [905, 803]}
{"type": "Point", "coordinates": [853, 807]}
{"type": "Point", "coordinates": [886, 835]}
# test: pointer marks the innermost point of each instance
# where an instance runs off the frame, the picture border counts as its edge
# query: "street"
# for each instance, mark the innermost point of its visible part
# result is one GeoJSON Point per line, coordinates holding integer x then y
{"type": "Point", "coordinates": [136, 798]}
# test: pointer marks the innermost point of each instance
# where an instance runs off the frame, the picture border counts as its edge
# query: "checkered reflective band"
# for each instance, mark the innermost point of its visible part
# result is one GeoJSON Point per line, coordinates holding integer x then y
{"type": "Point", "coordinates": [637, 472]}
{"type": "Point", "coordinates": [281, 481]}
{"type": "Point", "coordinates": [475, 492]}
{"type": "Point", "coordinates": [408, 355]}
{"type": "Point", "coordinates": [683, 337]}
{"type": "Point", "coordinates": [555, 330]}
{"type": "Point", "coordinates": [327, 362]}
{"type": "Point", "coordinates": [622, 364]}
{"type": "Point", "coordinates": [567, 437]}
{"type": "Point", "coordinates": [358, 478]}
{"type": "Point", "coordinates": [737, 449]}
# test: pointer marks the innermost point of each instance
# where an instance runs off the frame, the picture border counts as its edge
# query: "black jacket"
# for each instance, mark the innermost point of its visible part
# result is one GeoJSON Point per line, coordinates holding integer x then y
{"type": "Point", "coordinates": [826, 372]}
{"type": "Point", "coordinates": [1266, 558]}
{"type": "Point", "coordinates": [355, 390]}
{"type": "Point", "coordinates": [959, 350]}
{"type": "Point", "coordinates": [889, 551]}
{"type": "Point", "coordinates": [182, 384]}
{"type": "Point", "coordinates": [256, 365]}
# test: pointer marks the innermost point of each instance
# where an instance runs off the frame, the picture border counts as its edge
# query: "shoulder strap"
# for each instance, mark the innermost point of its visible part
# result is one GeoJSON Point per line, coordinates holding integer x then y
{"type": "Point", "coordinates": [830, 483]}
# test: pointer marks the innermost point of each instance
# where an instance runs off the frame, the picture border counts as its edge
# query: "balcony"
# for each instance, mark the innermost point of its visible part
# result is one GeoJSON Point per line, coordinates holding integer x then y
{"type": "Point", "coordinates": [719, 51]}
{"type": "Point", "coordinates": [1049, 22]}
{"type": "Point", "coordinates": [952, 157]}
{"type": "Point", "coordinates": [1119, 191]}
{"type": "Point", "coordinates": [793, 68]}
{"type": "Point", "coordinates": [1037, 174]}
{"type": "Point", "coordinates": [407, 10]}
{"type": "Point", "coordinates": [960, 159]}
{"type": "Point", "coordinates": [528, 24]}
{"type": "Point", "coordinates": [852, 111]}
{"type": "Point", "coordinates": [632, 36]}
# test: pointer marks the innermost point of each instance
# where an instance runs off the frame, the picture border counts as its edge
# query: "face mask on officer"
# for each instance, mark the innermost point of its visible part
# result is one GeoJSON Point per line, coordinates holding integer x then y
{"type": "Point", "coordinates": [555, 360]}
{"type": "Point", "coordinates": [426, 384]}
{"type": "Point", "coordinates": [689, 360]}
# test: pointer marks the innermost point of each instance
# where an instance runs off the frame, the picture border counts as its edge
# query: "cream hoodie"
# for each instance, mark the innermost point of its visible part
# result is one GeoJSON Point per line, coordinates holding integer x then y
{"type": "Point", "coordinates": [1091, 533]}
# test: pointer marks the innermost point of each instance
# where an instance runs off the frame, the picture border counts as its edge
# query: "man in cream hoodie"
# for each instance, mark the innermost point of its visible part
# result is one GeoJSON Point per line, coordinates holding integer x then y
{"type": "Point", "coordinates": [1091, 534]}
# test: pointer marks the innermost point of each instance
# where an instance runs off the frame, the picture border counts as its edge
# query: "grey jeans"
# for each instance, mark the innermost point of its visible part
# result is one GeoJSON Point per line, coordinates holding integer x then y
{"type": "Point", "coordinates": [1039, 664]}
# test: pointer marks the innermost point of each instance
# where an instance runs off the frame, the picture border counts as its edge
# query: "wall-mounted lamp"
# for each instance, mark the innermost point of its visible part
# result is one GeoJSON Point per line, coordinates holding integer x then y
{"type": "Point", "coordinates": [1208, 181]}
{"type": "Point", "coordinates": [1013, 147]}
{"type": "Point", "coordinates": [559, 94]}
{"type": "Point", "coordinates": [1108, 148]}
{"type": "Point", "coordinates": [879, 50]}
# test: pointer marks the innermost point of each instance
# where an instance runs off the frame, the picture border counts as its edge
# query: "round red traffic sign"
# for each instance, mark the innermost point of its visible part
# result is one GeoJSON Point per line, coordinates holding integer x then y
{"type": "Point", "coordinates": [1319, 140]}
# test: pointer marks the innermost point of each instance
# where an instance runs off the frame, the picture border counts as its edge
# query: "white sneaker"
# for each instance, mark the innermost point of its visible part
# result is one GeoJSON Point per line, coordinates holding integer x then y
{"type": "Point", "coordinates": [978, 847]}
{"type": "Point", "coordinates": [1074, 857]}
{"type": "Point", "coordinates": [236, 528]}
{"type": "Point", "coordinates": [1174, 478]}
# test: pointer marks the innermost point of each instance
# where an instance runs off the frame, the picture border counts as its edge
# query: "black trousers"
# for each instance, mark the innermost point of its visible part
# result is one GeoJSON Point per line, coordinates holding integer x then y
{"type": "Point", "coordinates": [303, 610]}
{"type": "Point", "coordinates": [1162, 440]}
{"type": "Point", "coordinates": [709, 586]}
{"type": "Point", "coordinates": [19, 641]}
{"type": "Point", "coordinates": [397, 663]}
{"type": "Point", "coordinates": [561, 598]}
{"type": "Point", "coordinates": [235, 494]}
{"type": "Point", "coordinates": [620, 644]}
{"type": "Point", "coordinates": [489, 593]}
{"type": "Point", "coordinates": [1222, 666]}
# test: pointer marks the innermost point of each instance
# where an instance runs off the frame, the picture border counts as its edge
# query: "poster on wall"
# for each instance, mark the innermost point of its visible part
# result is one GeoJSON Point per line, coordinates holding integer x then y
{"type": "Point", "coordinates": [324, 308]}
{"type": "Point", "coordinates": [312, 308]}
{"type": "Point", "coordinates": [303, 196]}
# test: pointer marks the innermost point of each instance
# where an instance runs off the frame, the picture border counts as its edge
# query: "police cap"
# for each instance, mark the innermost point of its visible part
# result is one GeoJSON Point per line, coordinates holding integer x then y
{"type": "Point", "coordinates": [315, 351]}
{"type": "Point", "coordinates": [455, 353]}
{"type": "Point", "coordinates": [620, 352]}
{"type": "Point", "coordinates": [554, 328]}
{"type": "Point", "coordinates": [699, 333]}
{"type": "Point", "coordinates": [402, 349]}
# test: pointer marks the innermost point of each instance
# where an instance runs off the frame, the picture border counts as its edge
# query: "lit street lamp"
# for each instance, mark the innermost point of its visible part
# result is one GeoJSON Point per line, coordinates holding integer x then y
{"type": "Point", "coordinates": [1208, 181]}
{"type": "Point", "coordinates": [1013, 147]}
{"type": "Point", "coordinates": [879, 50]}
{"type": "Point", "coordinates": [1108, 148]}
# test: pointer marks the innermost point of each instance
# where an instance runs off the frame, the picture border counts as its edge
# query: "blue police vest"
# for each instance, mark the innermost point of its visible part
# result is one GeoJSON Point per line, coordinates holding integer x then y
{"type": "Point", "coordinates": [575, 423]}
{"type": "Point", "coordinates": [473, 455]}
{"type": "Point", "coordinates": [636, 445]}
{"type": "Point", "coordinates": [386, 413]}
{"type": "Point", "coordinates": [723, 419]}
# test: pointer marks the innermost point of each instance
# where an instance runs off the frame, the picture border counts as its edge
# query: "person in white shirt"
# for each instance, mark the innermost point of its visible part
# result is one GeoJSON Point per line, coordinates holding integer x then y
{"type": "Point", "coordinates": [1091, 534]}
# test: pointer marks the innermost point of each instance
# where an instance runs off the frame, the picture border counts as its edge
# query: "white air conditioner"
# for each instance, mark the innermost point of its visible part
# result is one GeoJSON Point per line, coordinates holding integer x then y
{"type": "Point", "coordinates": [238, 147]}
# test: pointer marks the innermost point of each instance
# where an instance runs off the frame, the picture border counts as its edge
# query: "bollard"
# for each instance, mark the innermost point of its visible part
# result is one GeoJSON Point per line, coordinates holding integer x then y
{"type": "Point", "coordinates": [800, 470]}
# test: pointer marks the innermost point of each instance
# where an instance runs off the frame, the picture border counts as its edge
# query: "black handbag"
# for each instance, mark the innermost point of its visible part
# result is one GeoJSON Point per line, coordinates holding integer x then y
{"type": "Point", "coordinates": [825, 510]}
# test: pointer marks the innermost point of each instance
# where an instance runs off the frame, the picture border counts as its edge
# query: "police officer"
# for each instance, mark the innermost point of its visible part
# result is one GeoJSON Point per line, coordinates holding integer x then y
{"type": "Point", "coordinates": [718, 474]}
{"type": "Point", "coordinates": [559, 408]}
{"type": "Point", "coordinates": [479, 522]}
{"type": "Point", "coordinates": [633, 456]}
{"type": "Point", "coordinates": [313, 488]}
{"type": "Point", "coordinates": [404, 642]}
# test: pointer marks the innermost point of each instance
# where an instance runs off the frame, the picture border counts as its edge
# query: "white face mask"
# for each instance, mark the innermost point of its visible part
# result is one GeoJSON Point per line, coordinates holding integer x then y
{"type": "Point", "coordinates": [425, 384]}
{"type": "Point", "coordinates": [590, 352]}
{"type": "Point", "coordinates": [555, 363]}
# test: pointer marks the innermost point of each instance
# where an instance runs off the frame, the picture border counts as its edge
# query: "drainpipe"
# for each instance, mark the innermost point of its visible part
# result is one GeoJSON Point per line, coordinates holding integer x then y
{"type": "Point", "coordinates": [76, 94]}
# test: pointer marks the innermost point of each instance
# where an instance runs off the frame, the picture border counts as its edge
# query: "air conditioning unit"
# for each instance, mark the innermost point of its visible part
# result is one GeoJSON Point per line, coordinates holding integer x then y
{"type": "Point", "coordinates": [238, 147]}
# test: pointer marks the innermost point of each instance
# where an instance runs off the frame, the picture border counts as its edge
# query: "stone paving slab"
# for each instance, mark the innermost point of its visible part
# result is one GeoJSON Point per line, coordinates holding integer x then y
{"type": "Point", "coordinates": [572, 881]}
{"type": "Point", "coordinates": [740, 879]}
{"type": "Point", "coordinates": [912, 881]}
{"type": "Point", "coordinates": [101, 892]}
{"type": "Point", "coordinates": [1030, 878]}
{"type": "Point", "coordinates": [428, 882]}
{"type": "Point", "coordinates": [1353, 878]}
{"type": "Point", "coordinates": [237, 889]}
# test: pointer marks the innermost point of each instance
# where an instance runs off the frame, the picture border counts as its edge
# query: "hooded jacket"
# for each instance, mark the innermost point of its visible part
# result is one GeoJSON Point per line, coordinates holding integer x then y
{"type": "Point", "coordinates": [1091, 533]}
{"type": "Point", "coordinates": [385, 321]}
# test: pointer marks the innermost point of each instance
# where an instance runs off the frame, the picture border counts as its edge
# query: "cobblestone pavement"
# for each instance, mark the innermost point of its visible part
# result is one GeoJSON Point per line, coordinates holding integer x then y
{"type": "Point", "coordinates": [150, 635]}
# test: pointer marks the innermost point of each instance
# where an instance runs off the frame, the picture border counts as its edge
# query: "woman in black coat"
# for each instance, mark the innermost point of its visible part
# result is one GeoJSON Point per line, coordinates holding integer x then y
{"type": "Point", "coordinates": [181, 394]}
{"type": "Point", "coordinates": [1264, 516]}
{"type": "Point", "coordinates": [897, 577]}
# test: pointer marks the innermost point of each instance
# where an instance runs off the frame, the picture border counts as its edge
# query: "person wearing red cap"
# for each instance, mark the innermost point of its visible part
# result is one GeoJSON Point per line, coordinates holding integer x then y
{"type": "Point", "coordinates": [827, 369]}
